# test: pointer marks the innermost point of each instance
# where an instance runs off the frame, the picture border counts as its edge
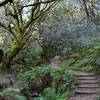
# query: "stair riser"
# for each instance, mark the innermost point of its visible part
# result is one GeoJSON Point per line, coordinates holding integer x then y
{"type": "Point", "coordinates": [85, 76]}
{"type": "Point", "coordinates": [86, 93]}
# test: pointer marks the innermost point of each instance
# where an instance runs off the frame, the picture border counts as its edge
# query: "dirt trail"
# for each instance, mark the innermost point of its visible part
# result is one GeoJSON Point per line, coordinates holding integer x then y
{"type": "Point", "coordinates": [87, 86]}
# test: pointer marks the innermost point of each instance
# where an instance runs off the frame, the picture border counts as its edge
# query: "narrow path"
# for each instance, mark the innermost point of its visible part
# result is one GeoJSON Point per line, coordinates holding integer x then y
{"type": "Point", "coordinates": [87, 86]}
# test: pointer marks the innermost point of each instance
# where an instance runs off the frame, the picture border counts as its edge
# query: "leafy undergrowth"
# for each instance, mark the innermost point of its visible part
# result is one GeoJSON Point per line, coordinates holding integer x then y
{"type": "Point", "coordinates": [42, 83]}
{"type": "Point", "coordinates": [45, 83]}
{"type": "Point", "coordinates": [84, 59]}
{"type": "Point", "coordinates": [80, 65]}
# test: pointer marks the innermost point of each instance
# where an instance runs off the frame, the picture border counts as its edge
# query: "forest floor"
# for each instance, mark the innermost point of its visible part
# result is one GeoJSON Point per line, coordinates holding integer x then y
{"type": "Point", "coordinates": [87, 86]}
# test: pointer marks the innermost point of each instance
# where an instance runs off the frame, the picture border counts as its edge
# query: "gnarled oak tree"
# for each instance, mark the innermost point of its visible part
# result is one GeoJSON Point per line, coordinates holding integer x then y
{"type": "Point", "coordinates": [21, 16]}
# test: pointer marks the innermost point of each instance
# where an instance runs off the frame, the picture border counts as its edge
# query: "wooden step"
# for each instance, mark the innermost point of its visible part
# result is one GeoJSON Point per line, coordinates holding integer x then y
{"type": "Point", "coordinates": [85, 97]}
{"type": "Point", "coordinates": [83, 74]}
{"type": "Point", "coordinates": [87, 78]}
{"type": "Point", "coordinates": [85, 92]}
{"type": "Point", "coordinates": [88, 86]}
{"type": "Point", "coordinates": [87, 89]}
{"type": "Point", "coordinates": [88, 82]}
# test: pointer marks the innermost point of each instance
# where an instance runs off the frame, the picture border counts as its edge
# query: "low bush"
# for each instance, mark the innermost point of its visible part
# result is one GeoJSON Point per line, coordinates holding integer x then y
{"type": "Point", "coordinates": [45, 82]}
{"type": "Point", "coordinates": [84, 59]}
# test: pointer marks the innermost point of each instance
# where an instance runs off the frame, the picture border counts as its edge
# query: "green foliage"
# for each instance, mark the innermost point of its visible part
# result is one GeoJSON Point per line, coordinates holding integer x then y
{"type": "Point", "coordinates": [18, 97]}
{"type": "Point", "coordinates": [63, 81]}
{"type": "Point", "coordinates": [10, 49]}
{"type": "Point", "coordinates": [99, 98]}
{"type": "Point", "coordinates": [36, 71]}
{"type": "Point", "coordinates": [50, 94]}
{"type": "Point", "coordinates": [84, 59]}
{"type": "Point", "coordinates": [48, 82]}
{"type": "Point", "coordinates": [12, 91]}
{"type": "Point", "coordinates": [32, 54]}
{"type": "Point", "coordinates": [87, 68]}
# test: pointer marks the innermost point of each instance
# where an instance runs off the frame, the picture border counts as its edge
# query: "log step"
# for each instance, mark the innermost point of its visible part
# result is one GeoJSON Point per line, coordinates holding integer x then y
{"type": "Point", "coordinates": [88, 86]}
{"type": "Point", "coordinates": [88, 82]}
{"type": "Point", "coordinates": [87, 78]}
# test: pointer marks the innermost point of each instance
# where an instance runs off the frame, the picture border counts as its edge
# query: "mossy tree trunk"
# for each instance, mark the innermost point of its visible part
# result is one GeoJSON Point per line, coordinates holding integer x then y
{"type": "Point", "coordinates": [7, 62]}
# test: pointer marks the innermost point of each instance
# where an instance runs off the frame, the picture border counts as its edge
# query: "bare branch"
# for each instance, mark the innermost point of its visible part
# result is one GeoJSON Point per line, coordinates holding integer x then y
{"type": "Point", "coordinates": [8, 29]}
{"type": "Point", "coordinates": [86, 9]}
{"type": "Point", "coordinates": [38, 3]}
{"type": "Point", "coordinates": [5, 2]}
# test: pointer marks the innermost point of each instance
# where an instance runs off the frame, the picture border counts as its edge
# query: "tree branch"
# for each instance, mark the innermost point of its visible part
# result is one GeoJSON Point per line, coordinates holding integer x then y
{"type": "Point", "coordinates": [9, 29]}
{"type": "Point", "coordinates": [38, 3]}
{"type": "Point", "coordinates": [86, 9]}
{"type": "Point", "coordinates": [5, 2]}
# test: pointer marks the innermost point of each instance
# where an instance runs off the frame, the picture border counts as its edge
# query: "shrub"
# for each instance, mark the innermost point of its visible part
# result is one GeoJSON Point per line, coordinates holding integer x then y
{"type": "Point", "coordinates": [11, 93]}
{"type": "Point", "coordinates": [32, 54]}
{"type": "Point", "coordinates": [41, 79]}
{"type": "Point", "coordinates": [50, 94]}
